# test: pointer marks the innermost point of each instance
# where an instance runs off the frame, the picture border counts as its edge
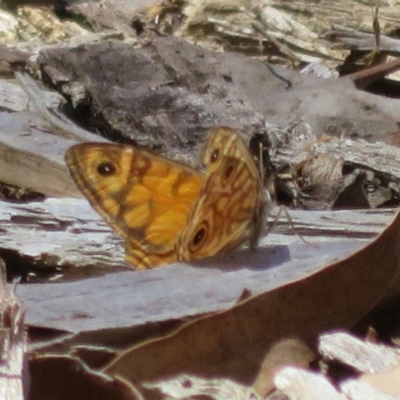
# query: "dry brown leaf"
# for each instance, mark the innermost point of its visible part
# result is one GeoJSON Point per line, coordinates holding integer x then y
{"type": "Point", "coordinates": [234, 342]}
{"type": "Point", "coordinates": [56, 377]}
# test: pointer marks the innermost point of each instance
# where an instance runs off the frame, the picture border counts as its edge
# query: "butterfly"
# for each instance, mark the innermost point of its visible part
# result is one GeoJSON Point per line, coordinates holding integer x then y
{"type": "Point", "coordinates": [167, 211]}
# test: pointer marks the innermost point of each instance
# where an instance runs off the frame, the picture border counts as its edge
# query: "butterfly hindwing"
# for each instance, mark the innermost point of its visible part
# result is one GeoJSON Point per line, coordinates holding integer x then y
{"type": "Point", "coordinates": [231, 206]}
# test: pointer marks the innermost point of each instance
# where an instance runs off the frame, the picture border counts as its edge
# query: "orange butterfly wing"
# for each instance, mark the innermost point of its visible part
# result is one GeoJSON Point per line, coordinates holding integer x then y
{"type": "Point", "coordinates": [231, 207]}
{"type": "Point", "coordinates": [223, 141]}
{"type": "Point", "coordinates": [144, 197]}
{"type": "Point", "coordinates": [167, 211]}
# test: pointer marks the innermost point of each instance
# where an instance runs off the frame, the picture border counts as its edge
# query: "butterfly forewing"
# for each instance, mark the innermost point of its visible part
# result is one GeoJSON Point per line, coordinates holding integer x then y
{"type": "Point", "coordinates": [144, 197]}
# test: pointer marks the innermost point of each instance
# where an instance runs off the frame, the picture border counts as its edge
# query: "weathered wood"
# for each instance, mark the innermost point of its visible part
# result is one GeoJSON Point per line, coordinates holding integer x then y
{"type": "Point", "coordinates": [68, 232]}
{"type": "Point", "coordinates": [84, 240]}
{"type": "Point", "coordinates": [356, 390]}
{"type": "Point", "coordinates": [32, 158]}
{"type": "Point", "coordinates": [297, 27]}
{"type": "Point", "coordinates": [379, 158]}
{"type": "Point", "coordinates": [363, 41]}
{"type": "Point", "coordinates": [363, 356]}
{"type": "Point", "coordinates": [13, 97]}
{"type": "Point", "coordinates": [376, 156]}
{"type": "Point", "coordinates": [33, 143]}
{"type": "Point", "coordinates": [12, 344]}
{"type": "Point", "coordinates": [297, 383]}
{"type": "Point", "coordinates": [167, 81]}
{"type": "Point", "coordinates": [161, 108]}
{"type": "Point", "coordinates": [385, 158]}
{"type": "Point", "coordinates": [65, 127]}
{"type": "Point", "coordinates": [377, 360]}
{"type": "Point", "coordinates": [110, 14]}
{"type": "Point", "coordinates": [358, 152]}
{"type": "Point", "coordinates": [290, 32]}
{"type": "Point", "coordinates": [11, 60]}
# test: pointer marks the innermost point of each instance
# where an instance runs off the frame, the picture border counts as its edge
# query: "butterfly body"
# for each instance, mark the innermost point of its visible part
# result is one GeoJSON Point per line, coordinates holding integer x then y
{"type": "Point", "coordinates": [166, 211]}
